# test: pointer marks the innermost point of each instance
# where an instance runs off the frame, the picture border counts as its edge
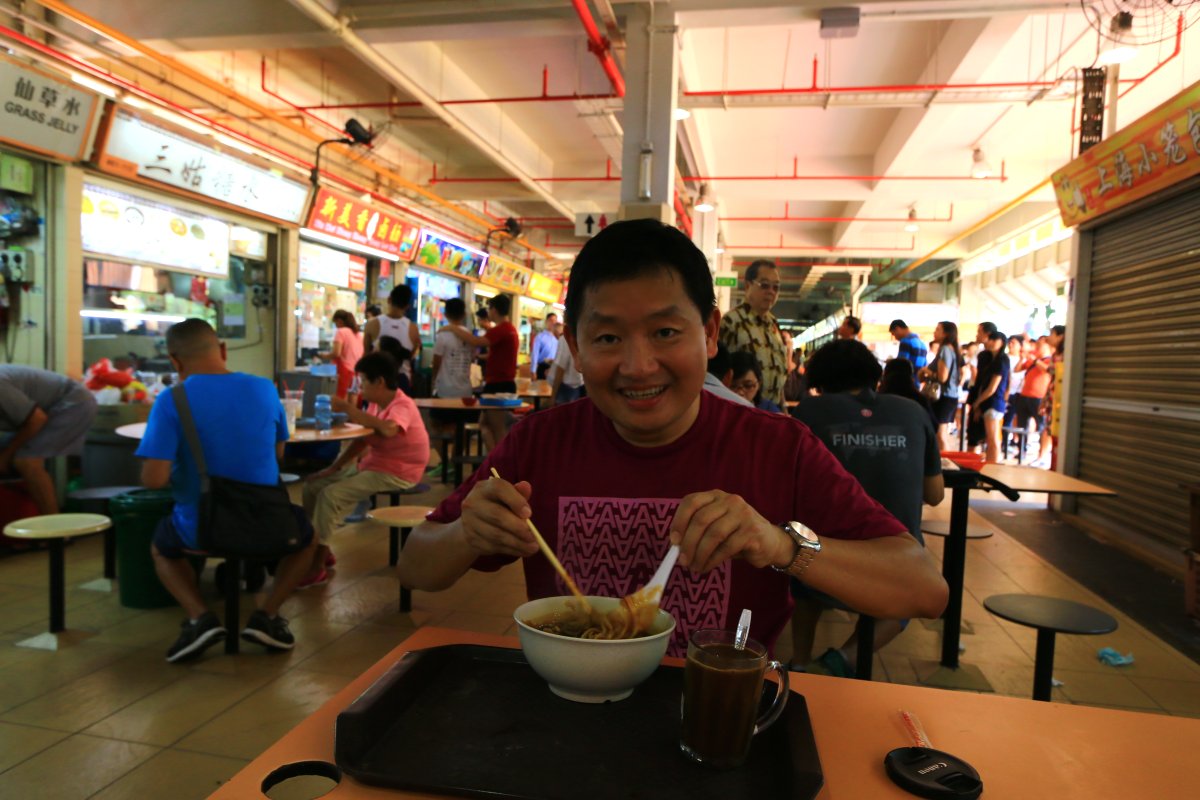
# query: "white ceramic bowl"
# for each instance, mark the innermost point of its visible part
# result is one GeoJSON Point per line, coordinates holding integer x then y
{"type": "Point", "coordinates": [591, 670]}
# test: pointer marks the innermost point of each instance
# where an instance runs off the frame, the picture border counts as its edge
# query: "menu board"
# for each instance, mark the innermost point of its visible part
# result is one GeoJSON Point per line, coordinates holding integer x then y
{"type": "Point", "coordinates": [507, 275]}
{"type": "Point", "coordinates": [133, 229]}
{"type": "Point", "coordinates": [357, 279]}
{"type": "Point", "coordinates": [545, 289]}
{"type": "Point", "coordinates": [439, 253]}
{"type": "Point", "coordinates": [42, 112]}
{"type": "Point", "coordinates": [138, 148]}
{"type": "Point", "coordinates": [324, 265]}
{"type": "Point", "coordinates": [354, 221]}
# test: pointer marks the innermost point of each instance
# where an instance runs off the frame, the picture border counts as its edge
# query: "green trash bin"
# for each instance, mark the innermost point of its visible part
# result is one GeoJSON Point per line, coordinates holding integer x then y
{"type": "Point", "coordinates": [135, 516]}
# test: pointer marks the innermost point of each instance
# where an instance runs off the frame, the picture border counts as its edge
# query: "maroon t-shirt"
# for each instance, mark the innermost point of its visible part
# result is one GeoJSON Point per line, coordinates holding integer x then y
{"type": "Point", "coordinates": [605, 505]}
{"type": "Point", "coordinates": [501, 364]}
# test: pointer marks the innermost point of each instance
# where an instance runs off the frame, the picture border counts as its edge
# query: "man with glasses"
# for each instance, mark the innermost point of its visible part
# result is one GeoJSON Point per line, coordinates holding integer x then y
{"type": "Point", "coordinates": [752, 328]}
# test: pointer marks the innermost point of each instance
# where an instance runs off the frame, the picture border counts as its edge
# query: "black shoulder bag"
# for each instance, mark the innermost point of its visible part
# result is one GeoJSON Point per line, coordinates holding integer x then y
{"type": "Point", "coordinates": [246, 520]}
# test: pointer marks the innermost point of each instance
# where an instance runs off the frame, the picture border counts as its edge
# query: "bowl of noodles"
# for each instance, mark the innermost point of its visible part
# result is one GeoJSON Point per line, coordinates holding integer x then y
{"type": "Point", "coordinates": [562, 643]}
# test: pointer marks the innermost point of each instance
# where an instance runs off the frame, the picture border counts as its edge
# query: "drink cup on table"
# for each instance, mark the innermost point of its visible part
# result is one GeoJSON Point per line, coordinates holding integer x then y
{"type": "Point", "coordinates": [721, 690]}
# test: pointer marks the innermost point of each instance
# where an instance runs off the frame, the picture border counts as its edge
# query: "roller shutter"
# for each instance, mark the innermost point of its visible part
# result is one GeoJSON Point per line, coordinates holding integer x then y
{"type": "Point", "coordinates": [1140, 426]}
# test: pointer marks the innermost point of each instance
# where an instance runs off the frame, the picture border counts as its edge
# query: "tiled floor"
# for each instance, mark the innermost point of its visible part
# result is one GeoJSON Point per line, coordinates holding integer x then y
{"type": "Point", "coordinates": [108, 718]}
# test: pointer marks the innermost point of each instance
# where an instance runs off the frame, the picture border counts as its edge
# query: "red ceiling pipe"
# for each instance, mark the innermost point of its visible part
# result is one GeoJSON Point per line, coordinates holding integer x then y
{"type": "Point", "coordinates": [685, 219]}
{"type": "Point", "coordinates": [608, 176]}
{"type": "Point", "coordinates": [263, 85]}
{"type": "Point", "coordinates": [788, 218]}
{"type": "Point", "coordinates": [781, 246]}
{"type": "Point", "coordinates": [1136, 82]}
{"type": "Point", "coordinates": [140, 91]}
{"type": "Point", "coordinates": [796, 176]}
{"type": "Point", "coordinates": [600, 45]}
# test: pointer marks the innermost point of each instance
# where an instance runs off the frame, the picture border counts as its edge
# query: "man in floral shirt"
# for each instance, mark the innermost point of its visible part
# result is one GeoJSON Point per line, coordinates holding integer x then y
{"type": "Point", "coordinates": [752, 327]}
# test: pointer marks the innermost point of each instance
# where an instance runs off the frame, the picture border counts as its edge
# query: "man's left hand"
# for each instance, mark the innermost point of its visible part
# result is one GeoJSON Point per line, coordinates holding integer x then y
{"type": "Point", "coordinates": [713, 527]}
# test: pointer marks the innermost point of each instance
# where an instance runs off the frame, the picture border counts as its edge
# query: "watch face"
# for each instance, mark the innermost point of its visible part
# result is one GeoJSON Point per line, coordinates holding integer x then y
{"type": "Point", "coordinates": [799, 529]}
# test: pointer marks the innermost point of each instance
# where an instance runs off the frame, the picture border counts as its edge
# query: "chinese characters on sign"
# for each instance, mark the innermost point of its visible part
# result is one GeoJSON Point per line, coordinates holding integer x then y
{"type": "Point", "coordinates": [44, 113]}
{"type": "Point", "coordinates": [1157, 151]}
{"type": "Point", "coordinates": [354, 221]}
{"type": "Point", "coordinates": [138, 147]}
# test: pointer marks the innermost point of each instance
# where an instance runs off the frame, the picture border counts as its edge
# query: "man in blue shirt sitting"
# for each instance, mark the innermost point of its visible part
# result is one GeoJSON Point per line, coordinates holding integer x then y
{"type": "Point", "coordinates": [242, 430]}
{"type": "Point", "coordinates": [911, 347]}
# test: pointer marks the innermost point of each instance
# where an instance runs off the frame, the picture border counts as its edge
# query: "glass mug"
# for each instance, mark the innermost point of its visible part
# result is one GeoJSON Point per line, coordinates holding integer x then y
{"type": "Point", "coordinates": [721, 690]}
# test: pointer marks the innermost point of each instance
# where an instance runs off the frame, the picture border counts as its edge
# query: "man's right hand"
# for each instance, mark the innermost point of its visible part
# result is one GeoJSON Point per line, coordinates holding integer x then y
{"type": "Point", "coordinates": [494, 518]}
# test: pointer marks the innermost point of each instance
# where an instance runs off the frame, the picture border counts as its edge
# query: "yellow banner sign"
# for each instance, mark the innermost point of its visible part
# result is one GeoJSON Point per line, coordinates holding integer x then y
{"type": "Point", "coordinates": [1157, 151]}
{"type": "Point", "coordinates": [545, 289]}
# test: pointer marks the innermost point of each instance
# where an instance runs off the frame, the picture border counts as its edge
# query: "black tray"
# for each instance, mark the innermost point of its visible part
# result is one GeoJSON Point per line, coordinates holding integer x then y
{"type": "Point", "coordinates": [479, 722]}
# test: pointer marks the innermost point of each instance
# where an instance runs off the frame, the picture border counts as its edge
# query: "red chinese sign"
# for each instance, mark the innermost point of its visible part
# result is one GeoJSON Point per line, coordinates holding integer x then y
{"type": "Point", "coordinates": [354, 221]}
{"type": "Point", "coordinates": [1153, 153]}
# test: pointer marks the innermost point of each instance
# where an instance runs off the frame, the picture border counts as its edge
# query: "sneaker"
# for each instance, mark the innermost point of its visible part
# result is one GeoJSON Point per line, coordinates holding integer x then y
{"type": "Point", "coordinates": [196, 636]}
{"type": "Point", "coordinates": [833, 660]}
{"type": "Point", "coordinates": [318, 579]}
{"type": "Point", "coordinates": [271, 633]}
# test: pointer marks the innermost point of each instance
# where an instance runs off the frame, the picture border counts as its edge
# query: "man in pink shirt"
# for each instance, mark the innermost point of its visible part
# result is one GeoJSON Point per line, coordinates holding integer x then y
{"type": "Point", "coordinates": [392, 459]}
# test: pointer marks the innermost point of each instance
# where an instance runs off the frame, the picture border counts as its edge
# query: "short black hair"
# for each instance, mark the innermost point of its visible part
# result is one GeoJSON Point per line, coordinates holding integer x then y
{"type": "Point", "coordinates": [502, 303]}
{"type": "Point", "coordinates": [632, 248]}
{"type": "Point", "coordinates": [719, 365]}
{"type": "Point", "coordinates": [379, 364]}
{"type": "Point", "coordinates": [988, 327]}
{"type": "Point", "coordinates": [854, 323]}
{"type": "Point", "coordinates": [552, 314]}
{"type": "Point", "coordinates": [391, 345]}
{"type": "Point", "coordinates": [374, 310]}
{"type": "Point", "coordinates": [1016, 337]}
{"type": "Point", "coordinates": [897, 323]}
{"type": "Point", "coordinates": [481, 313]}
{"type": "Point", "coordinates": [401, 296]}
{"type": "Point", "coordinates": [191, 338]}
{"type": "Point", "coordinates": [456, 309]}
{"type": "Point", "coordinates": [843, 365]}
{"type": "Point", "coordinates": [759, 264]}
{"type": "Point", "coordinates": [994, 335]}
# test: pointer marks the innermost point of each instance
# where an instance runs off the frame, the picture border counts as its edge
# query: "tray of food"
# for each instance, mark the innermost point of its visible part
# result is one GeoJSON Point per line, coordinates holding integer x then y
{"type": "Point", "coordinates": [477, 721]}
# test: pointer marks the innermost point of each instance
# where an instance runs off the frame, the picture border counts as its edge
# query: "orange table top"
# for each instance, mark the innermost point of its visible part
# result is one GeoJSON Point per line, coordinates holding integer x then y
{"type": "Point", "coordinates": [337, 433]}
{"type": "Point", "coordinates": [1031, 479]}
{"type": "Point", "coordinates": [1021, 748]}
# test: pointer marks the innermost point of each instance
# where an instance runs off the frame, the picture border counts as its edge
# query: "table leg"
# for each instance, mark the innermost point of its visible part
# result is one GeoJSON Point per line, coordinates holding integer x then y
{"type": "Point", "coordinates": [1043, 665]}
{"type": "Point", "coordinates": [405, 592]}
{"type": "Point", "coordinates": [233, 588]}
{"type": "Point", "coordinates": [393, 546]}
{"type": "Point", "coordinates": [864, 660]}
{"type": "Point", "coordinates": [110, 553]}
{"type": "Point", "coordinates": [58, 600]}
{"type": "Point", "coordinates": [460, 443]}
{"type": "Point", "coordinates": [954, 557]}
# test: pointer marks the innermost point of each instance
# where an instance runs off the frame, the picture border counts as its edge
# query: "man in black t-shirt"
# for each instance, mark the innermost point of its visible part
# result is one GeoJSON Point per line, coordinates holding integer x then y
{"type": "Point", "coordinates": [885, 441]}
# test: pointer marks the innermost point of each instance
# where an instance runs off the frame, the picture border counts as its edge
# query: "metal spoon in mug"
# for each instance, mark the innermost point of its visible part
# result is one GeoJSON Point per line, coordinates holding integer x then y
{"type": "Point", "coordinates": [743, 630]}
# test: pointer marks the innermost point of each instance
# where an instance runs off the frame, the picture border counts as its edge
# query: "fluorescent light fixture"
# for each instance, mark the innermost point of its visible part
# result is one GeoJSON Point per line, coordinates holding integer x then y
{"type": "Point", "coordinates": [365, 197]}
{"type": "Point", "coordinates": [136, 102]}
{"type": "Point", "coordinates": [325, 238]}
{"type": "Point", "coordinates": [484, 291]}
{"type": "Point", "coordinates": [911, 226]}
{"type": "Point", "coordinates": [229, 141]}
{"type": "Point", "coordinates": [718, 249]}
{"type": "Point", "coordinates": [980, 168]}
{"type": "Point", "coordinates": [182, 121]}
{"type": "Point", "coordinates": [94, 85]}
{"type": "Point", "coordinates": [148, 316]}
{"type": "Point", "coordinates": [681, 114]}
{"type": "Point", "coordinates": [564, 256]}
{"type": "Point", "coordinates": [1121, 45]}
{"type": "Point", "coordinates": [705, 203]}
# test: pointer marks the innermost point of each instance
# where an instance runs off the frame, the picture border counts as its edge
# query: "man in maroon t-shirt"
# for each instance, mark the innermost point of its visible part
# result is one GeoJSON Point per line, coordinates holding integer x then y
{"type": "Point", "coordinates": [500, 369]}
{"type": "Point", "coordinates": [648, 459]}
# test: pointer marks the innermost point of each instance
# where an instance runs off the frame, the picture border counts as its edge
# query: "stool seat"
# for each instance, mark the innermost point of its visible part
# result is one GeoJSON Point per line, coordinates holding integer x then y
{"type": "Point", "coordinates": [57, 526]}
{"type": "Point", "coordinates": [1052, 613]}
{"type": "Point", "coordinates": [101, 492]}
{"type": "Point", "coordinates": [1050, 616]}
{"type": "Point", "coordinates": [400, 516]}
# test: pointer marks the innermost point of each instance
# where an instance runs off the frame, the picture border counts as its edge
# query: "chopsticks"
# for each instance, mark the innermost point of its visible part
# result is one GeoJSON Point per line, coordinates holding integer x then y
{"type": "Point", "coordinates": [545, 548]}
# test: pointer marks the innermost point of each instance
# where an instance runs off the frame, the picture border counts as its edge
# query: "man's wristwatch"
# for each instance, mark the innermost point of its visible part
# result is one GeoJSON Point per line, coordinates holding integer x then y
{"type": "Point", "coordinates": [808, 544]}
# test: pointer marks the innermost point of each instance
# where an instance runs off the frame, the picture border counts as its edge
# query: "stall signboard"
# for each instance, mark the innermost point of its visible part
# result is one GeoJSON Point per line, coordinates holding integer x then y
{"type": "Point", "coordinates": [141, 231]}
{"type": "Point", "coordinates": [152, 151]}
{"type": "Point", "coordinates": [442, 254]}
{"type": "Point", "coordinates": [507, 275]}
{"type": "Point", "coordinates": [351, 220]}
{"type": "Point", "coordinates": [357, 278]}
{"type": "Point", "coordinates": [247, 243]}
{"type": "Point", "coordinates": [44, 113]}
{"type": "Point", "coordinates": [545, 289]}
{"type": "Point", "coordinates": [1149, 155]}
{"type": "Point", "coordinates": [324, 265]}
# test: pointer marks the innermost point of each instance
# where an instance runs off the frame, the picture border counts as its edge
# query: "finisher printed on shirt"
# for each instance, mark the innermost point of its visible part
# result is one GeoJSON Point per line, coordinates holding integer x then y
{"type": "Point", "coordinates": [605, 505]}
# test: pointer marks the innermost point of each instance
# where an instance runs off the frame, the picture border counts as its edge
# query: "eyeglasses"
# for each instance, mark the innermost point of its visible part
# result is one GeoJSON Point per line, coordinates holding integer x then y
{"type": "Point", "coordinates": [766, 286]}
{"type": "Point", "coordinates": [745, 386]}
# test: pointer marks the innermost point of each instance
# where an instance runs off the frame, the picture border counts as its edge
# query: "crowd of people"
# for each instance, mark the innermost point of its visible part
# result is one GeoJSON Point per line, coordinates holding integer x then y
{"type": "Point", "coordinates": [819, 507]}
